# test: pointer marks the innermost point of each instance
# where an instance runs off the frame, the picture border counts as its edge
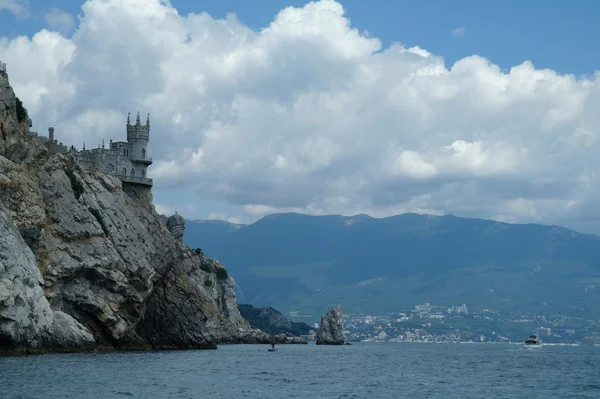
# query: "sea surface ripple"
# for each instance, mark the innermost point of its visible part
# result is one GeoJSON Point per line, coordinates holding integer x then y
{"type": "Point", "coordinates": [366, 370]}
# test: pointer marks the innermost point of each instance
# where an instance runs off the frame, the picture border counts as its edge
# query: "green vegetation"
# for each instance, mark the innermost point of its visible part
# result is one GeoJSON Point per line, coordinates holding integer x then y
{"type": "Point", "coordinates": [22, 114]}
{"type": "Point", "coordinates": [183, 281]}
{"type": "Point", "coordinates": [75, 184]}
{"type": "Point", "coordinates": [375, 266]}
{"type": "Point", "coordinates": [208, 283]}
{"type": "Point", "coordinates": [222, 273]}
{"type": "Point", "coordinates": [205, 267]}
{"type": "Point", "coordinates": [99, 218]}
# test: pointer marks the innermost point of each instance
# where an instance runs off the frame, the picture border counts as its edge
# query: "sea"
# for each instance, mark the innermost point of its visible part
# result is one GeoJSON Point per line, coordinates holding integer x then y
{"type": "Point", "coordinates": [361, 370]}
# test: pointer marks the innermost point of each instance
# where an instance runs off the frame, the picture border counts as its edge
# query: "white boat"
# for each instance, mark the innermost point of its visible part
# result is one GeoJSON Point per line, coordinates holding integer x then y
{"type": "Point", "coordinates": [533, 342]}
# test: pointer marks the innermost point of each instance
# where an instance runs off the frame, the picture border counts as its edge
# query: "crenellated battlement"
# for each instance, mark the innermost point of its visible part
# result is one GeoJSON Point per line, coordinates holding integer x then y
{"type": "Point", "coordinates": [138, 131]}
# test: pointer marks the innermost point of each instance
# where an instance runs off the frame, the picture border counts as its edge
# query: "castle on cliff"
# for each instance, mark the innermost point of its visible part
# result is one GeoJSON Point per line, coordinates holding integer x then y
{"type": "Point", "coordinates": [126, 159]}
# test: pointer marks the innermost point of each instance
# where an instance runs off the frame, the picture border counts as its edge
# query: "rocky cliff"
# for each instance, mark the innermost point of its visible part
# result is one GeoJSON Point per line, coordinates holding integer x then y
{"type": "Point", "coordinates": [87, 263]}
{"type": "Point", "coordinates": [272, 321]}
{"type": "Point", "coordinates": [331, 330]}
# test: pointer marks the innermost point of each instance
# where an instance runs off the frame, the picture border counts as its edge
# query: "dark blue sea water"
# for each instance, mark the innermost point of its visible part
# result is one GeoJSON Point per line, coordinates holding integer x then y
{"type": "Point", "coordinates": [366, 370]}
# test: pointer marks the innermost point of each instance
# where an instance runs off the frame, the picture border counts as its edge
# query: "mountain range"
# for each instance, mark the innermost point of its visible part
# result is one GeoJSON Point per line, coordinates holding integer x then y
{"type": "Point", "coordinates": [303, 264]}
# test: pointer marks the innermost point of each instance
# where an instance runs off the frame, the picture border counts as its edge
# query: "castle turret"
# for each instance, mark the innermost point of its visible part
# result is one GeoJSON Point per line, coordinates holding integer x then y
{"type": "Point", "coordinates": [138, 136]}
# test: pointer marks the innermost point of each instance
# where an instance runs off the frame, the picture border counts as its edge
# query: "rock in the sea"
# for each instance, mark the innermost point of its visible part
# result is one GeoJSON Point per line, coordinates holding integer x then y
{"type": "Point", "coordinates": [176, 226]}
{"type": "Point", "coordinates": [331, 330]}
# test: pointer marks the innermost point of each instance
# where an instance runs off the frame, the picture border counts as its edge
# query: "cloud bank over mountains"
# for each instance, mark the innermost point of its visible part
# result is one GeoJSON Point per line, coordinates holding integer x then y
{"type": "Point", "coordinates": [309, 114]}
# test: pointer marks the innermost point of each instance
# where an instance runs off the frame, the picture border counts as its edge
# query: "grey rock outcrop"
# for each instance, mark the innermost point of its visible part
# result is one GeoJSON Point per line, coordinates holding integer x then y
{"type": "Point", "coordinates": [176, 225]}
{"type": "Point", "coordinates": [86, 262]}
{"type": "Point", "coordinates": [331, 330]}
{"type": "Point", "coordinates": [8, 107]}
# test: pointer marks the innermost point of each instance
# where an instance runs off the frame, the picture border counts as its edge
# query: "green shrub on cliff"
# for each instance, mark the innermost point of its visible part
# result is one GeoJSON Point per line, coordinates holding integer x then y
{"type": "Point", "coordinates": [222, 273]}
{"type": "Point", "coordinates": [206, 267]}
{"type": "Point", "coordinates": [22, 114]}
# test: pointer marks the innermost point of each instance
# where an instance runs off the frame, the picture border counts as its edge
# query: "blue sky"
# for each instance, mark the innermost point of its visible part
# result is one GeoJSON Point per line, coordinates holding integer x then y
{"type": "Point", "coordinates": [554, 34]}
{"type": "Point", "coordinates": [306, 116]}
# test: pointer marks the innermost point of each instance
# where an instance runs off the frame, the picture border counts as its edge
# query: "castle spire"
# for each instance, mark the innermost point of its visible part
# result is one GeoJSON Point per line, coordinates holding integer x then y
{"type": "Point", "coordinates": [128, 120]}
{"type": "Point", "coordinates": [84, 146]}
{"type": "Point", "coordinates": [102, 143]}
{"type": "Point", "coordinates": [137, 121]}
{"type": "Point", "coordinates": [148, 119]}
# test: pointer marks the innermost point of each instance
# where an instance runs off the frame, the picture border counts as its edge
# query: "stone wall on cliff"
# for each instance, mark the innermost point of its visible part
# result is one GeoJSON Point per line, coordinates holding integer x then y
{"type": "Point", "coordinates": [86, 261]}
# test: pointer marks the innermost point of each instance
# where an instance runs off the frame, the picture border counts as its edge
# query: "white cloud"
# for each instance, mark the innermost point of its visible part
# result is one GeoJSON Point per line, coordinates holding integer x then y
{"type": "Point", "coordinates": [311, 115]}
{"type": "Point", "coordinates": [17, 7]}
{"type": "Point", "coordinates": [164, 209]}
{"type": "Point", "coordinates": [234, 220]}
{"type": "Point", "coordinates": [459, 31]}
{"type": "Point", "coordinates": [60, 20]}
{"type": "Point", "coordinates": [216, 216]}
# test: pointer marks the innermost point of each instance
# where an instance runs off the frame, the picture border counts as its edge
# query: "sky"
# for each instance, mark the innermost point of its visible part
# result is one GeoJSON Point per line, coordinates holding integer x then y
{"type": "Point", "coordinates": [476, 109]}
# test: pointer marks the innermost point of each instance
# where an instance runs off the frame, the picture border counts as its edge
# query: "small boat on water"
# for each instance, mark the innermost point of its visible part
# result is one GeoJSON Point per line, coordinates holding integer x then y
{"type": "Point", "coordinates": [533, 342]}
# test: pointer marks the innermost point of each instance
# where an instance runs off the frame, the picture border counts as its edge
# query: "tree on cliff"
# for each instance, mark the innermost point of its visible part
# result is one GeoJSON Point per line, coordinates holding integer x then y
{"type": "Point", "coordinates": [22, 113]}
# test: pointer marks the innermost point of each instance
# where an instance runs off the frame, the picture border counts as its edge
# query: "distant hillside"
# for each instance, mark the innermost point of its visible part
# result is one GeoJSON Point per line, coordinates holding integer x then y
{"type": "Point", "coordinates": [272, 321]}
{"type": "Point", "coordinates": [300, 263]}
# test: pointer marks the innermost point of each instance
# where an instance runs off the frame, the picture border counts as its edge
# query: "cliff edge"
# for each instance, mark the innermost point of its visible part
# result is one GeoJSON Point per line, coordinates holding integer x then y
{"type": "Point", "coordinates": [86, 262]}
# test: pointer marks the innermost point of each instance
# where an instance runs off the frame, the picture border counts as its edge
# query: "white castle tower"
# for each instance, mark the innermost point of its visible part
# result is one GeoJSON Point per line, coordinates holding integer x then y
{"type": "Point", "coordinates": [138, 136]}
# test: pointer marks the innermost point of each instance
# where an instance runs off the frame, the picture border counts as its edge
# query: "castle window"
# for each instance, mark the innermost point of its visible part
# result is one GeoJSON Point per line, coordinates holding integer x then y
{"type": "Point", "coordinates": [132, 172]}
{"type": "Point", "coordinates": [143, 153]}
{"type": "Point", "coordinates": [110, 167]}
{"type": "Point", "coordinates": [124, 152]}
{"type": "Point", "coordinates": [143, 173]}
{"type": "Point", "coordinates": [124, 172]}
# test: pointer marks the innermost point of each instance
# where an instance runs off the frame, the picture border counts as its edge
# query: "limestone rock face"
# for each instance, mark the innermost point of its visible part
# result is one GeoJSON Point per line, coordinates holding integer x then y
{"type": "Point", "coordinates": [26, 320]}
{"type": "Point", "coordinates": [331, 330]}
{"type": "Point", "coordinates": [8, 107]}
{"type": "Point", "coordinates": [16, 142]}
{"type": "Point", "coordinates": [85, 260]}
